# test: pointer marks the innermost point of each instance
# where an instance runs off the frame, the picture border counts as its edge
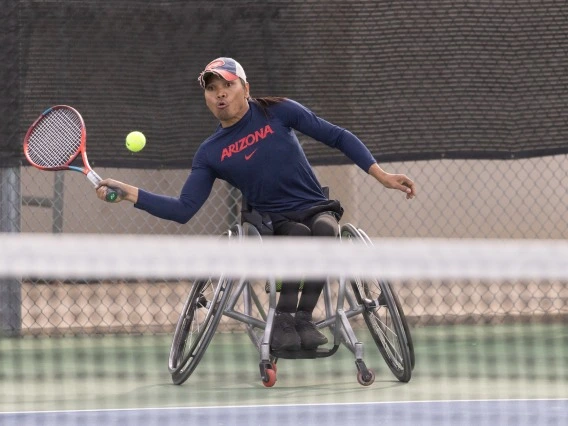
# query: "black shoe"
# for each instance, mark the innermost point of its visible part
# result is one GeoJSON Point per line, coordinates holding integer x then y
{"type": "Point", "coordinates": [284, 336]}
{"type": "Point", "coordinates": [309, 335]}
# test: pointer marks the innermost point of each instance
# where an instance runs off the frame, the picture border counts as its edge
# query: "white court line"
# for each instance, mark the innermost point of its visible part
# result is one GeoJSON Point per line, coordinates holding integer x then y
{"type": "Point", "coordinates": [217, 407]}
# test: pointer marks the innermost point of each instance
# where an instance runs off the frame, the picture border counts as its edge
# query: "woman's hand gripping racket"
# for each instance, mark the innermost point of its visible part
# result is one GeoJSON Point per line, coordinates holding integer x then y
{"type": "Point", "coordinates": [55, 139]}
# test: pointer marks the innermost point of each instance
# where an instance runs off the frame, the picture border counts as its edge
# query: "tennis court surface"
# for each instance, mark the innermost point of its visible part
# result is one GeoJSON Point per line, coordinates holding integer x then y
{"type": "Point", "coordinates": [464, 376]}
{"type": "Point", "coordinates": [490, 370]}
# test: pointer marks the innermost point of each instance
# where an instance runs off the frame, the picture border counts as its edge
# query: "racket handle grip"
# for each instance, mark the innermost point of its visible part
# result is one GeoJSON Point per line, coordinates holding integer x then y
{"type": "Point", "coordinates": [113, 193]}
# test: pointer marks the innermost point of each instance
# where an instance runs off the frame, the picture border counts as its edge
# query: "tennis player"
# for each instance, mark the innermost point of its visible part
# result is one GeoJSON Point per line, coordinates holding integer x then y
{"type": "Point", "coordinates": [256, 150]}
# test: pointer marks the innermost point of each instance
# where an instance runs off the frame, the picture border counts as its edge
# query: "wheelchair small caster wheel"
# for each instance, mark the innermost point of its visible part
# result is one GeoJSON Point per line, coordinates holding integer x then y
{"type": "Point", "coordinates": [368, 379]}
{"type": "Point", "coordinates": [271, 375]}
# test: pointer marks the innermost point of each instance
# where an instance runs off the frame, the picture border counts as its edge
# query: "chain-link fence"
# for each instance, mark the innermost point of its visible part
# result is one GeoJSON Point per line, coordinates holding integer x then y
{"type": "Point", "coordinates": [456, 198]}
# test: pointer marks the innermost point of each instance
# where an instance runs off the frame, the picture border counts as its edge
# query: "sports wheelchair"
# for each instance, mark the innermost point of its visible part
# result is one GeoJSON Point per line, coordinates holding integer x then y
{"type": "Point", "coordinates": [375, 299]}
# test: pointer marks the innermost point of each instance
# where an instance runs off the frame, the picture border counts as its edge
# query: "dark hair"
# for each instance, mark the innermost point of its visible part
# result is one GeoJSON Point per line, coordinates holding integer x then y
{"type": "Point", "coordinates": [267, 101]}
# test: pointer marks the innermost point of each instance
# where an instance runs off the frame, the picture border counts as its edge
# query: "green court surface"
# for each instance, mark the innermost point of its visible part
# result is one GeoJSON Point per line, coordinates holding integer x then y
{"type": "Point", "coordinates": [528, 361]}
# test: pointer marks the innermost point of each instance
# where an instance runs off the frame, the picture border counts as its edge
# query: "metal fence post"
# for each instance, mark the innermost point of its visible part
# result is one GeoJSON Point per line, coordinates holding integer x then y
{"type": "Point", "coordinates": [10, 288]}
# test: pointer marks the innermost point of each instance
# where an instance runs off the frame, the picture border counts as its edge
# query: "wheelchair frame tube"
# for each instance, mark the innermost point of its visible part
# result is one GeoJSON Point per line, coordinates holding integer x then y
{"type": "Point", "coordinates": [239, 316]}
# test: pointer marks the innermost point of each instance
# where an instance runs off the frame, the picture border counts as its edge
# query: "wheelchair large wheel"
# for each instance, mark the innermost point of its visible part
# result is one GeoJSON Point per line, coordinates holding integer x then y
{"type": "Point", "coordinates": [384, 316]}
{"type": "Point", "coordinates": [196, 326]}
{"type": "Point", "coordinates": [400, 310]}
{"type": "Point", "coordinates": [406, 328]}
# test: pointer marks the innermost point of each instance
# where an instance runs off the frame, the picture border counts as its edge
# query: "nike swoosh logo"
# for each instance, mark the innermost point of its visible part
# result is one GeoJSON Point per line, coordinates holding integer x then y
{"type": "Point", "coordinates": [247, 157]}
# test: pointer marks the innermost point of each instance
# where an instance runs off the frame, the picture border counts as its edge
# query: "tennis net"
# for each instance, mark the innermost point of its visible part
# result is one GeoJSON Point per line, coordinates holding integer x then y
{"type": "Point", "coordinates": [88, 324]}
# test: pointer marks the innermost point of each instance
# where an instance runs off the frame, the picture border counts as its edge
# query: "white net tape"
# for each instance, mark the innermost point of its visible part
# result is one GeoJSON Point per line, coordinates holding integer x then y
{"type": "Point", "coordinates": [111, 256]}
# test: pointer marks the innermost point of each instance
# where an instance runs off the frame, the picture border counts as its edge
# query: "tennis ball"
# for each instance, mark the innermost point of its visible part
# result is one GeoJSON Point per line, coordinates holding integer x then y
{"type": "Point", "coordinates": [135, 141]}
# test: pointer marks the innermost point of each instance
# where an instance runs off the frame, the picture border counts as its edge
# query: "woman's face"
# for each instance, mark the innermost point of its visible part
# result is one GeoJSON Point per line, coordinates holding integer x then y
{"type": "Point", "coordinates": [227, 100]}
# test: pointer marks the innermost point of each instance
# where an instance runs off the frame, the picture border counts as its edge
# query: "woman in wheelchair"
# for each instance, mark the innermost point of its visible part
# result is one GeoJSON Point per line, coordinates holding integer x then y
{"type": "Point", "coordinates": [256, 150]}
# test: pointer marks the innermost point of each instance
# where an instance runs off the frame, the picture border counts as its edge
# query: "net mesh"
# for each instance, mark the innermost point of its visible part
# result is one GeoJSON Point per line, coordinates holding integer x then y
{"type": "Point", "coordinates": [487, 320]}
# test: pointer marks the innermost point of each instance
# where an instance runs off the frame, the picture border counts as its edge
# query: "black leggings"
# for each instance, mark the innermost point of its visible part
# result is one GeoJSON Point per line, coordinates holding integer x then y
{"type": "Point", "coordinates": [321, 225]}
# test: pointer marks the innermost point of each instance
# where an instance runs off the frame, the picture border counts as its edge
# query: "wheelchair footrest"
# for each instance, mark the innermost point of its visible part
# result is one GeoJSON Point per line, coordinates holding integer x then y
{"type": "Point", "coordinates": [305, 354]}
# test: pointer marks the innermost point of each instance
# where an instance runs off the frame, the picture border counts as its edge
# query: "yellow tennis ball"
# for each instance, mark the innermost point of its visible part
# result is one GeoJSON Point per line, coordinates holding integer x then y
{"type": "Point", "coordinates": [135, 141]}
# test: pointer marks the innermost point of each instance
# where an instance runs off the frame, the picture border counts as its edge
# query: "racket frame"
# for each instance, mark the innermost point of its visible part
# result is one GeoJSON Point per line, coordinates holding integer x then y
{"type": "Point", "coordinates": [95, 179]}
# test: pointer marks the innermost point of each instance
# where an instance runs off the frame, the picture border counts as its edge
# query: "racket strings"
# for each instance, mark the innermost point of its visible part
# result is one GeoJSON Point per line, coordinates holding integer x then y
{"type": "Point", "coordinates": [56, 139]}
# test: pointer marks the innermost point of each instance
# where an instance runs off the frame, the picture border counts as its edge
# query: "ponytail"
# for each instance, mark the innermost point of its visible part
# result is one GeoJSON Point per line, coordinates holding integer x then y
{"type": "Point", "coordinates": [266, 102]}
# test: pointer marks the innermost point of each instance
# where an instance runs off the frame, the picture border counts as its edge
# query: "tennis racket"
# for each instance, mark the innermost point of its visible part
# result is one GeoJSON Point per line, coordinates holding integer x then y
{"type": "Point", "coordinates": [55, 140]}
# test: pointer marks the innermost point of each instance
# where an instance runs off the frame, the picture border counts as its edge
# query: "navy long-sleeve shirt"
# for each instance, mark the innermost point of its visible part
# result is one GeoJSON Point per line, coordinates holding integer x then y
{"type": "Point", "coordinates": [262, 157]}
